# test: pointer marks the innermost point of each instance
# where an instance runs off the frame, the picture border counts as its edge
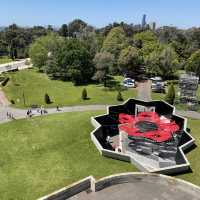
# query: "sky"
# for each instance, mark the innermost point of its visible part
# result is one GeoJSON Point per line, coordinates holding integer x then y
{"type": "Point", "coordinates": [180, 13]}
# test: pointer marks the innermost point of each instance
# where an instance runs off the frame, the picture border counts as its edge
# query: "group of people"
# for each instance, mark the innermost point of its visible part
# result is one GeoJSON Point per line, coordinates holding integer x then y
{"type": "Point", "coordinates": [9, 115]}
{"type": "Point", "coordinates": [40, 111]}
{"type": "Point", "coordinates": [29, 113]}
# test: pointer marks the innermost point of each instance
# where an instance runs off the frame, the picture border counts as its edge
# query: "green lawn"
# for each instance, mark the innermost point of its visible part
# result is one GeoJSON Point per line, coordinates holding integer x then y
{"type": "Point", "coordinates": [193, 155]}
{"type": "Point", "coordinates": [43, 154]}
{"type": "Point", "coordinates": [5, 60]}
{"type": "Point", "coordinates": [34, 85]}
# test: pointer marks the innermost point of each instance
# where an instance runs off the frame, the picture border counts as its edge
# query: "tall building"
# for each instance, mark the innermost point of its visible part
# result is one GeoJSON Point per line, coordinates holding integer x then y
{"type": "Point", "coordinates": [143, 21]}
{"type": "Point", "coordinates": [152, 26]}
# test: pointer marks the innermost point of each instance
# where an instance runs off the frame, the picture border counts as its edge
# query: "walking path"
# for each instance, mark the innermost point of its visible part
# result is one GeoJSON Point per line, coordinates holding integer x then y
{"type": "Point", "coordinates": [15, 65]}
{"type": "Point", "coordinates": [22, 113]}
{"type": "Point", "coordinates": [144, 91]}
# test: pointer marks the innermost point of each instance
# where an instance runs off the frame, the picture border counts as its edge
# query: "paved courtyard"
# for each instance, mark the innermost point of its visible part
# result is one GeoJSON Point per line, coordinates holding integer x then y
{"type": "Point", "coordinates": [138, 191]}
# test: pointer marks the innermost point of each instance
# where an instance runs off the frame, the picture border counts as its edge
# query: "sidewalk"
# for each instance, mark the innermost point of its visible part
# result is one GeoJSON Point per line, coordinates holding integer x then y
{"type": "Point", "coordinates": [22, 113]}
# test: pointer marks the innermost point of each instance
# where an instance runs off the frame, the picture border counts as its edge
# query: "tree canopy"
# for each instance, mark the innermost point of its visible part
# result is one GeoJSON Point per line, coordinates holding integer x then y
{"type": "Point", "coordinates": [129, 61]}
{"type": "Point", "coordinates": [115, 41]}
{"type": "Point", "coordinates": [103, 63]}
{"type": "Point", "coordinates": [193, 64]}
{"type": "Point", "coordinates": [43, 47]}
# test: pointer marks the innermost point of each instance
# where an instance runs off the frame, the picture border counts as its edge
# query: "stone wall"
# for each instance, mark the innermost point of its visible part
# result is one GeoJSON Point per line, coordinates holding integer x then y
{"type": "Point", "coordinates": [91, 184]}
{"type": "Point", "coordinates": [69, 191]}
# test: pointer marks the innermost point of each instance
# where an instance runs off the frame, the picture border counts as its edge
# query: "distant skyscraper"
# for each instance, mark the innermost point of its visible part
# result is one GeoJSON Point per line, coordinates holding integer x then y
{"type": "Point", "coordinates": [143, 21]}
{"type": "Point", "coordinates": [152, 26]}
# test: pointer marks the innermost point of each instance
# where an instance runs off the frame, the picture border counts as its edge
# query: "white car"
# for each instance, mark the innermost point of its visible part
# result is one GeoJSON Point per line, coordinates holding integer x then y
{"type": "Point", "coordinates": [157, 85]}
{"type": "Point", "coordinates": [129, 83]}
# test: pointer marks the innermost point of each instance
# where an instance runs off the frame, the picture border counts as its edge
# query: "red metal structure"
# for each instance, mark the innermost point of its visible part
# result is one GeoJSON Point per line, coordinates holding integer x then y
{"type": "Point", "coordinates": [148, 125]}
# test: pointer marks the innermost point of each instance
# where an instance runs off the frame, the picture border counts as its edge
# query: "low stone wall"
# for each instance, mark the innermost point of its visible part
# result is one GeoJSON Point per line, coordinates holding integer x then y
{"type": "Point", "coordinates": [71, 190]}
{"type": "Point", "coordinates": [173, 170]}
{"type": "Point", "coordinates": [115, 155]}
{"type": "Point", "coordinates": [135, 177]}
{"type": "Point", "coordinates": [146, 177]}
{"type": "Point", "coordinates": [96, 142]}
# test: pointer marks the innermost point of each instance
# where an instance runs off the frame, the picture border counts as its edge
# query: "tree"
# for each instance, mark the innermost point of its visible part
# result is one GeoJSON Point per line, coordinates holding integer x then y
{"type": "Point", "coordinates": [193, 64]}
{"type": "Point", "coordinates": [84, 94]}
{"type": "Point", "coordinates": [103, 63]}
{"type": "Point", "coordinates": [47, 99]}
{"type": "Point", "coordinates": [74, 62]}
{"type": "Point", "coordinates": [63, 30]}
{"type": "Point", "coordinates": [162, 62]}
{"type": "Point", "coordinates": [42, 48]}
{"type": "Point", "coordinates": [91, 40]}
{"type": "Point", "coordinates": [119, 96]}
{"type": "Point", "coordinates": [170, 96]}
{"type": "Point", "coordinates": [75, 27]}
{"type": "Point", "coordinates": [147, 42]}
{"type": "Point", "coordinates": [168, 62]}
{"type": "Point", "coordinates": [130, 61]}
{"type": "Point", "coordinates": [115, 42]}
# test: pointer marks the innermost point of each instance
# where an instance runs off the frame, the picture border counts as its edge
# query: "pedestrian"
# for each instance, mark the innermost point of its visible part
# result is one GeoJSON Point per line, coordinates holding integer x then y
{"type": "Point", "coordinates": [57, 108]}
{"type": "Point", "coordinates": [28, 112]}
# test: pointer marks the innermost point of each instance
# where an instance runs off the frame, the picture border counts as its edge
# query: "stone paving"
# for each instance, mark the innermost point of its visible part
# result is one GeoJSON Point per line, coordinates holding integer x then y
{"type": "Point", "coordinates": [144, 91]}
{"type": "Point", "coordinates": [137, 191]}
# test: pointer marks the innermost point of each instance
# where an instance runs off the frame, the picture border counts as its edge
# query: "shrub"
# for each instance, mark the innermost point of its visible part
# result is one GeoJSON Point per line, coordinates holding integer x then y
{"type": "Point", "coordinates": [5, 81]}
{"type": "Point", "coordinates": [84, 94]}
{"type": "Point", "coordinates": [47, 99]}
{"type": "Point", "coordinates": [12, 101]}
{"type": "Point", "coordinates": [119, 96]}
{"type": "Point", "coordinates": [2, 78]}
{"type": "Point", "coordinates": [170, 96]}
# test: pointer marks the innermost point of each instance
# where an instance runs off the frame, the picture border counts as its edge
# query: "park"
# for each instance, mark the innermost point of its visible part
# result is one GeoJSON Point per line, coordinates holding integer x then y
{"type": "Point", "coordinates": [97, 107]}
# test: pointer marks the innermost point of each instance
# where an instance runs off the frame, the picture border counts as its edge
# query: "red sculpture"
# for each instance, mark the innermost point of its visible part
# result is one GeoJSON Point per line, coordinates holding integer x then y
{"type": "Point", "coordinates": [148, 125]}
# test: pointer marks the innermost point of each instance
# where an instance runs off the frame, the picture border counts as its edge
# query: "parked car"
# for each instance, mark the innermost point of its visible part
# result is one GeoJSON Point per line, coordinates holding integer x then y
{"type": "Point", "coordinates": [157, 85]}
{"type": "Point", "coordinates": [129, 83]}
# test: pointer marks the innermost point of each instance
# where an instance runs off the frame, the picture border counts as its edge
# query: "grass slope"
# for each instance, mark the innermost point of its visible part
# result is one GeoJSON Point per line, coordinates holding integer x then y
{"type": "Point", "coordinates": [43, 154]}
{"type": "Point", "coordinates": [34, 85]}
{"type": "Point", "coordinates": [193, 155]}
{"type": "Point", "coordinates": [5, 60]}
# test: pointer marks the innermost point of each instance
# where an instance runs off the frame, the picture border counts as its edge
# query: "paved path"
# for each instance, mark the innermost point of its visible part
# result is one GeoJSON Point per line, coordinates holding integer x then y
{"type": "Point", "coordinates": [20, 64]}
{"type": "Point", "coordinates": [189, 114]}
{"type": "Point", "coordinates": [144, 93]}
{"type": "Point", "coordinates": [21, 113]}
{"type": "Point", "coordinates": [144, 90]}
